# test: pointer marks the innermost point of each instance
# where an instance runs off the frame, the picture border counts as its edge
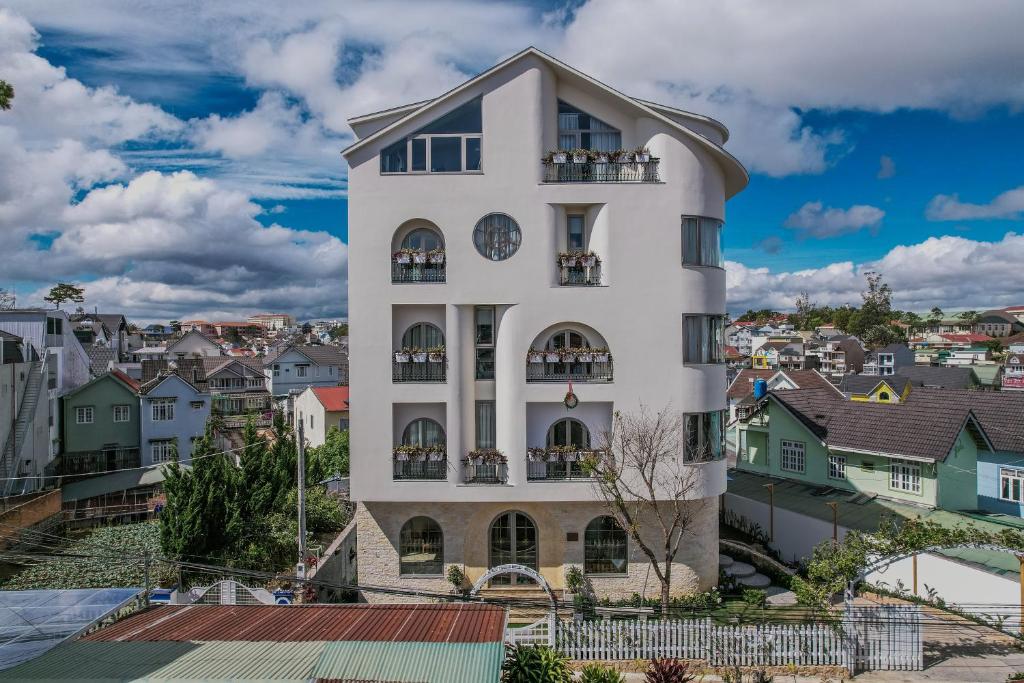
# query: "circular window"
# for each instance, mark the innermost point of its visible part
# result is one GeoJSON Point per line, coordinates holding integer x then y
{"type": "Point", "coordinates": [497, 236]}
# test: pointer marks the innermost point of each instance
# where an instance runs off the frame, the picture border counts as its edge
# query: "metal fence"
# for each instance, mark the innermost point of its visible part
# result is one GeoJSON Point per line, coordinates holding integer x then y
{"type": "Point", "coordinates": [417, 272]}
{"type": "Point", "coordinates": [578, 276]}
{"type": "Point", "coordinates": [419, 372]}
{"type": "Point", "coordinates": [421, 469]}
{"type": "Point", "coordinates": [485, 473]}
{"type": "Point", "coordinates": [564, 372]}
{"type": "Point", "coordinates": [608, 172]}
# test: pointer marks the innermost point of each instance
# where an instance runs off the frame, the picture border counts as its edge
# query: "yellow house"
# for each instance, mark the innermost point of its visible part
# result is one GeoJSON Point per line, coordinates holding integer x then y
{"type": "Point", "coordinates": [871, 389]}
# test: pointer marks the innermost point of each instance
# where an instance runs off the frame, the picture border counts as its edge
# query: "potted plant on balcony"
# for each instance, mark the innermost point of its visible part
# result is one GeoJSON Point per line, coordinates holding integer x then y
{"type": "Point", "coordinates": [580, 156]}
{"type": "Point", "coordinates": [419, 257]}
{"type": "Point", "coordinates": [589, 259]}
{"type": "Point", "coordinates": [585, 355]}
{"type": "Point", "coordinates": [535, 356]}
{"type": "Point", "coordinates": [435, 354]}
{"type": "Point", "coordinates": [404, 453]}
{"type": "Point", "coordinates": [402, 356]}
{"type": "Point", "coordinates": [567, 355]}
{"type": "Point", "coordinates": [486, 456]}
{"type": "Point", "coordinates": [642, 154]}
{"type": "Point", "coordinates": [601, 355]}
{"type": "Point", "coordinates": [536, 454]}
{"type": "Point", "coordinates": [556, 156]}
{"type": "Point", "coordinates": [622, 156]}
{"type": "Point", "coordinates": [567, 259]}
{"type": "Point", "coordinates": [436, 256]}
{"type": "Point", "coordinates": [434, 453]}
{"type": "Point", "coordinates": [599, 157]}
{"type": "Point", "coordinates": [418, 355]}
{"type": "Point", "coordinates": [552, 356]}
{"type": "Point", "coordinates": [402, 256]}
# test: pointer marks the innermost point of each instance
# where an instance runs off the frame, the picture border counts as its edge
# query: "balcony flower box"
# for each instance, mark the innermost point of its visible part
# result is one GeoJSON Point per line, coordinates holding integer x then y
{"type": "Point", "coordinates": [559, 158]}
{"type": "Point", "coordinates": [419, 357]}
{"type": "Point", "coordinates": [552, 357]}
{"type": "Point", "coordinates": [580, 156]}
{"type": "Point", "coordinates": [601, 158]}
{"type": "Point", "coordinates": [642, 155]}
{"type": "Point", "coordinates": [486, 456]}
{"type": "Point", "coordinates": [435, 456]}
{"type": "Point", "coordinates": [624, 158]}
{"type": "Point", "coordinates": [402, 257]}
{"type": "Point", "coordinates": [567, 260]}
{"type": "Point", "coordinates": [419, 257]}
{"type": "Point", "coordinates": [568, 356]}
{"type": "Point", "coordinates": [436, 257]}
{"type": "Point", "coordinates": [535, 356]}
{"type": "Point", "coordinates": [536, 454]}
{"type": "Point", "coordinates": [436, 357]}
{"type": "Point", "coordinates": [588, 261]}
{"type": "Point", "coordinates": [600, 356]}
{"type": "Point", "coordinates": [401, 357]}
{"type": "Point", "coordinates": [585, 357]}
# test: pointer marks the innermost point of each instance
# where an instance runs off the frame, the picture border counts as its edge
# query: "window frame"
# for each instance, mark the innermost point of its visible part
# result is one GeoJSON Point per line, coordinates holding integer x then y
{"type": "Point", "coordinates": [479, 408]}
{"type": "Point", "coordinates": [710, 324]}
{"type": "Point", "coordinates": [162, 444]}
{"type": "Point", "coordinates": [404, 544]}
{"type": "Point", "coordinates": [81, 412]}
{"type": "Point", "coordinates": [515, 230]}
{"type": "Point", "coordinates": [117, 409]}
{"type": "Point", "coordinates": [484, 346]}
{"type": "Point", "coordinates": [703, 441]}
{"type": "Point", "coordinates": [699, 249]}
{"type": "Point", "coordinates": [1009, 475]}
{"type": "Point", "coordinates": [427, 139]}
{"type": "Point", "coordinates": [905, 470]}
{"type": "Point", "coordinates": [837, 467]}
{"type": "Point", "coordinates": [790, 450]}
{"type": "Point", "coordinates": [162, 409]}
{"type": "Point", "coordinates": [588, 562]}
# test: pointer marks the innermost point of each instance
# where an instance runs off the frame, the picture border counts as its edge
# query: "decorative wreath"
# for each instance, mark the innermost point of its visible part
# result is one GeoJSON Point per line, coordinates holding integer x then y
{"type": "Point", "coordinates": [570, 400]}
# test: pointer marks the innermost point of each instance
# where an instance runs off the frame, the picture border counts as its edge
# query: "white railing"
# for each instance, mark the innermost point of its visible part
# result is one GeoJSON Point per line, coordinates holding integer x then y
{"type": "Point", "coordinates": [538, 633]}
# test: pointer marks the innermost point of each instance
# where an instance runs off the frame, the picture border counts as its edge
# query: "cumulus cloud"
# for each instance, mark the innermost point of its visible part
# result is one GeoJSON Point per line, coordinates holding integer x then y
{"type": "Point", "coordinates": [886, 168]}
{"type": "Point", "coordinates": [940, 271]}
{"type": "Point", "coordinates": [814, 220]}
{"type": "Point", "coordinates": [948, 207]}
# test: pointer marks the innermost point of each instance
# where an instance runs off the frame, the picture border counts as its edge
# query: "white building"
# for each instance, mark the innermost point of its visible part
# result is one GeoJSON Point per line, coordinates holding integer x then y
{"type": "Point", "coordinates": [273, 321]}
{"type": "Point", "coordinates": [319, 409]}
{"type": "Point", "coordinates": [459, 240]}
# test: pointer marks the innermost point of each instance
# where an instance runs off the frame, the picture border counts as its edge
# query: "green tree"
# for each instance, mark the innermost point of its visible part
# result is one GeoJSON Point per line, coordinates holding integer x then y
{"type": "Point", "coordinates": [841, 317]}
{"type": "Point", "coordinates": [876, 308]}
{"type": "Point", "coordinates": [338, 331]}
{"type": "Point", "coordinates": [332, 457]}
{"type": "Point", "coordinates": [935, 315]}
{"type": "Point", "coordinates": [65, 291]}
{"type": "Point", "coordinates": [175, 325]}
{"type": "Point", "coordinates": [760, 316]}
{"type": "Point", "coordinates": [971, 318]}
{"type": "Point", "coordinates": [914, 322]}
{"type": "Point", "coordinates": [6, 95]}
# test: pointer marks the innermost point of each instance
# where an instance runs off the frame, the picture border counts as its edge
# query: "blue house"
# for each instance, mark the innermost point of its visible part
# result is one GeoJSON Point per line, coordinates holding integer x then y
{"type": "Point", "coordinates": [295, 368]}
{"type": "Point", "coordinates": [1000, 472]}
{"type": "Point", "coordinates": [174, 412]}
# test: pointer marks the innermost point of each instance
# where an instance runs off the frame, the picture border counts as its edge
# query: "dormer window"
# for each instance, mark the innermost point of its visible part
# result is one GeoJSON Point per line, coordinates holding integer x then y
{"type": "Point", "coordinates": [450, 144]}
{"type": "Point", "coordinates": [579, 130]}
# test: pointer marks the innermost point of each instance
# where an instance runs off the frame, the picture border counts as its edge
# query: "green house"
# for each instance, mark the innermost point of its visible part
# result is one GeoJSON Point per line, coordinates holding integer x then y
{"type": "Point", "coordinates": [100, 425]}
{"type": "Point", "coordinates": [922, 451]}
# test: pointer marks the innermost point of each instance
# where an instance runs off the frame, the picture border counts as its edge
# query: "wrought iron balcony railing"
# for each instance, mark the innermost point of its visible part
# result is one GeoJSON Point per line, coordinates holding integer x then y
{"type": "Point", "coordinates": [579, 276]}
{"type": "Point", "coordinates": [417, 272]}
{"type": "Point", "coordinates": [602, 172]}
{"type": "Point", "coordinates": [411, 371]}
{"type": "Point", "coordinates": [557, 463]}
{"type": "Point", "coordinates": [423, 468]}
{"type": "Point", "coordinates": [484, 473]}
{"type": "Point", "coordinates": [576, 371]}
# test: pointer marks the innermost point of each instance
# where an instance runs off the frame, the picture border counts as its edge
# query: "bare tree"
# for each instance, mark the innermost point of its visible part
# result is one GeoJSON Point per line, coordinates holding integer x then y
{"type": "Point", "coordinates": [641, 476]}
{"type": "Point", "coordinates": [7, 300]}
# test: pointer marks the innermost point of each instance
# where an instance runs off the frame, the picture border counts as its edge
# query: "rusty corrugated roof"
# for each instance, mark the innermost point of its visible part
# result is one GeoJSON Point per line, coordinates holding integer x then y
{"type": "Point", "coordinates": [427, 623]}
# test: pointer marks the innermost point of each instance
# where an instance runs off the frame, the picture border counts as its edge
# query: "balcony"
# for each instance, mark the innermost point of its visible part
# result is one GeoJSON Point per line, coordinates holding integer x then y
{"type": "Point", "coordinates": [601, 171]}
{"type": "Point", "coordinates": [563, 365]}
{"type": "Point", "coordinates": [579, 270]}
{"type": "Point", "coordinates": [418, 366]}
{"type": "Point", "coordinates": [558, 463]}
{"type": "Point", "coordinates": [485, 467]}
{"type": "Point", "coordinates": [418, 267]}
{"type": "Point", "coordinates": [415, 463]}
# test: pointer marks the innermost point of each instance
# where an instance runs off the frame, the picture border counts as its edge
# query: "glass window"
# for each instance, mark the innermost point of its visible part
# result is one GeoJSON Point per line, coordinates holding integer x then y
{"type": "Point", "coordinates": [485, 429]}
{"type": "Point", "coordinates": [467, 118]}
{"type": "Point", "coordinates": [703, 339]}
{"type": "Point", "coordinates": [485, 364]}
{"type": "Point", "coordinates": [905, 476]}
{"type": "Point", "coordinates": [792, 455]}
{"type": "Point", "coordinates": [422, 239]}
{"type": "Point", "coordinates": [836, 467]}
{"type": "Point", "coordinates": [84, 415]}
{"type": "Point", "coordinates": [445, 154]}
{"type": "Point", "coordinates": [604, 547]}
{"type": "Point", "coordinates": [497, 236]}
{"type": "Point", "coordinates": [702, 242]}
{"type": "Point", "coordinates": [423, 432]}
{"type": "Point", "coordinates": [704, 436]}
{"type": "Point", "coordinates": [163, 409]}
{"type": "Point", "coordinates": [393, 158]}
{"type": "Point", "coordinates": [568, 432]}
{"type": "Point", "coordinates": [1011, 484]}
{"type": "Point", "coordinates": [161, 451]}
{"type": "Point", "coordinates": [575, 228]}
{"type": "Point", "coordinates": [421, 548]}
{"type": "Point", "coordinates": [485, 325]}
{"type": "Point", "coordinates": [577, 129]}
{"type": "Point", "coordinates": [422, 336]}
{"type": "Point", "coordinates": [419, 154]}
{"type": "Point", "coordinates": [472, 154]}
{"type": "Point", "coordinates": [122, 413]}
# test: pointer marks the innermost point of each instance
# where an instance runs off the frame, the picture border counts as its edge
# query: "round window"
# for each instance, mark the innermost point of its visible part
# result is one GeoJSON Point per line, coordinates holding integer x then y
{"type": "Point", "coordinates": [497, 236]}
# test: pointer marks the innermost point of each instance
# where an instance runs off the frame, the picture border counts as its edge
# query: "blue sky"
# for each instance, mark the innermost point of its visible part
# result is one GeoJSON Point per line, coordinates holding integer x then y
{"type": "Point", "coordinates": [182, 160]}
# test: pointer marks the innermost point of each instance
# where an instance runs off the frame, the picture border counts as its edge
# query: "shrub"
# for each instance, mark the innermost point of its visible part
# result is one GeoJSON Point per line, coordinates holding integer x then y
{"type": "Point", "coordinates": [457, 577]}
{"type": "Point", "coordinates": [595, 673]}
{"type": "Point", "coordinates": [755, 597]}
{"type": "Point", "coordinates": [535, 664]}
{"type": "Point", "coordinates": [574, 579]}
{"type": "Point", "coordinates": [668, 671]}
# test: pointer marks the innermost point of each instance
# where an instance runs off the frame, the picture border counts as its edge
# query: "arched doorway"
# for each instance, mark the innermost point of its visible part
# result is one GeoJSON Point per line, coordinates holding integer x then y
{"type": "Point", "coordinates": [513, 539]}
{"type": "Point", "coordinates": [566, 433]}
{"type": "Point", "coordinates": [422, 336]}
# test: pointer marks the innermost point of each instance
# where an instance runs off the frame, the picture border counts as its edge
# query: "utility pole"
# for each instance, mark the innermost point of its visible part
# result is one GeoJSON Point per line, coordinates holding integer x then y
{"type": "Point", "coordinates": [835, 521]}
{"type": "Point", "coordinates": [145, 579]}
{"type": "Point", "coordinates": [301, 478]}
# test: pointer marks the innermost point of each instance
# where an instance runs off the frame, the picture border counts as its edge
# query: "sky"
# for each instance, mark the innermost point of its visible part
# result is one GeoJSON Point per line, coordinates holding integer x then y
{"type": "Point", "coordinates": [181, 159]}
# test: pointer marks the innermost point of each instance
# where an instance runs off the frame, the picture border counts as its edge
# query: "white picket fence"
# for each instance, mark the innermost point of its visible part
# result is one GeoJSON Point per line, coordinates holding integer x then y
{"type": "Point", "coordinates": [868, 638]}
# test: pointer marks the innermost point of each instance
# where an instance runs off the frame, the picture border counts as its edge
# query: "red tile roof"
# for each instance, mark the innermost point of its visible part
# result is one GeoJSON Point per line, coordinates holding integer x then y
{"type": "Point", "coordinates": [962, 338]}
{"type": "Point", "coordinates": [126, 379]}
{"type": "Point", "coordinates": [433, 623]}
{"type": "Point", "coordinates": [334, 399]}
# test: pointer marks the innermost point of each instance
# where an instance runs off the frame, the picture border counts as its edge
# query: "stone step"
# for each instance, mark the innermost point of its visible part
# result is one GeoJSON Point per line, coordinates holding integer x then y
{"type": "Point", "coordinates": [779, 596]}
{"type": "Point", "coordinates": [754, 581]}
{"type": "Point", "coordinates": [724, 561]}
{"type": "Point", "coordinates": [740, 569]}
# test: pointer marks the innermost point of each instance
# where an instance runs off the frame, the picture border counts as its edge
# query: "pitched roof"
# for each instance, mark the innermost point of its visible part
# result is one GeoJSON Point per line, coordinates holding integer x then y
{"type": "Point", "coordinates": [214, 364]}
{"type": "Point", "coordinates": [965, 338]}
{"type": "Point", "coordinates": [736, 177]}
{"type": "Point", "coordinates": [189, 333]}
{"type": "Point", "coordinates": [321, 354]}
{"type": "Point", "coordinates": [924, 427]}
{"type": "Point", "coordinates": [1001, 413]}
{"type": "Point", "coordinates": [126, 380]}
{"type": "Point", "coordinates": [743, 384]}
{"type": "Point", "coordinates": [99, 358]}
{"type": "Point", "coordinates": [937, 376]}
{"type": "Point", "coordinates": [333, 399]}
{"type": "Point", "coordinates": [864, 384]}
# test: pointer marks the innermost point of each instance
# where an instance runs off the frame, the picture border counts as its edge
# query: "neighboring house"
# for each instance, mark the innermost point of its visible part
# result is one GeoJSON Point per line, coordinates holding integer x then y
{"type": "Point", "coordinates": [962, 340]}
{"type": "Point", "coordinates": [888, 360]}
{"type": "Point", "coordinates": [740, 393]}
{"type": "Point", "coordinates": [24, 414]}
{"type": "Point", "coordinates": [923, 450]}
{"type": "Point", "coordinates": [319, 409]}
{"type": "Point", "coordinates": [100, 426]}
{"type": "Point", "coordinates": [740, 336]}
{"type": "Point", "coordinates": [974, 355]}
{"type": "Point", "coordinates": [998, 323]}
{"type": "Point", "coordinates": [890, 389]}
{"type": "Point", "coordinates": [948, 326]}
{"type": "Point", "coordinates": [238, 389]}
{"type": "Point", "coordinates": [200, 326]}
{"type": "Point", "coordinates": [272, 321]}
{"type": "Point", "coordinates": [192, 344]}
{"type": "Point", "coordinates": [174, 413]}
{"type": "Point", "coordinates": [293, 368]}
{"type": "Point", "coordinates": [839, 355]}
{"type": "Point", "coordinates": [417, 174]}
{"type": "Point", "coordinates": [111, 328]}
{"type": "Point", "coordinates": [1013, 371]}
{"type": "Point", "coordinates": [940, 377]}
{"type": "Point", "coordinates": [101, 359]}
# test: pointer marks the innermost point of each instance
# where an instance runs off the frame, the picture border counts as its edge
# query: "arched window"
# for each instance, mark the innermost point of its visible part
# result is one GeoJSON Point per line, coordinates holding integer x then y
{"type": "Point", "coordinates": [423, 432]}
{"type": "Point", "coordinates": [883, 396]}
{"type": "Point", "coordinates": [421, 548]}
{"type": "Point", "coordinates": [604, 547]}
{"type": "Point", "coordinates": [568, 432]}
{"type": "Point", "coordinates": [567, 339]}
{"type": "Point", "coordinates": [497, 236]}
{"type": "Point", "coordinates": [423, 336]}
{"type": "Point", "coordinates": [422, 239]}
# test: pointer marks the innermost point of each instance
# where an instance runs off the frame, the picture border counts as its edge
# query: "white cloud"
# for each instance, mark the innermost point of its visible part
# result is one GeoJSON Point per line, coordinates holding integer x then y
{"type": "Point", "coordinates": [814, 220]}
{"type": "Point", "coordinates": [944, 271]}
{"type": "Point", "coordinates": [948, 207]}
{"type": "Point", "coordinates": [886, 168]}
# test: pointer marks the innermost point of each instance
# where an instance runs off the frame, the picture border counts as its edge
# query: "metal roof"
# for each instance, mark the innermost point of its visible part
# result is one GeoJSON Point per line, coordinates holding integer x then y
{"type": "Point", "coordinates": [111, 483]}
{"type": "Point", "coordinates": [429, 623]}
{"type": "Point", "coordinates": [427, 662]}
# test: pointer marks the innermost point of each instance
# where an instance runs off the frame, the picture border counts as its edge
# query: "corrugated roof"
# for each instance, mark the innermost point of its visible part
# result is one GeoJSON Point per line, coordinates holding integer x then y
{"type": "Point", "coordinates": [437, 623]}
{"type": "Point", "coordinates": [111, 483]}
{"type": "Point", "coordinates": [427, 662]}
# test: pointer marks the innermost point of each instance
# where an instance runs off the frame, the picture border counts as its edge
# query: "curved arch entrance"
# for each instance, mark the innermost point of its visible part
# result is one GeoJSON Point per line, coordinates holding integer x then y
{"type": "Point", "coordinates": [513, 540]}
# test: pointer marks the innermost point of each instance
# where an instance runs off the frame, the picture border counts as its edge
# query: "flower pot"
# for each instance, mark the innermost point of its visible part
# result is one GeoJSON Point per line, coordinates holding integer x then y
{"type": "Point", "coordinates": [435, 456]}
{"type": "Point", "coordinates": [600, 357]}
{"type": "Point", "coordinates": [624, 158]}
{"type": "Point", "coordinates": [436, 357]}
{"type": "Point", "coordinates": [401, 357]}
{"type": "Point", "coordinates": [536, 357]}
{"type": "Point", "coordinates": [552, 357]}
{"type": "Point", "coordinates": [419, 258]}
{"type": "Point", "coordinates": [402, 457]}
{"type": "Point", "coordinates": [568, 261]}
{"type": "Point", "coordinates": [601, 159]}
{"type": "Point", "coordinates": [560, 158]}
{"type": "Point", "coordinates": [403, 259]}
{"type": "Point", "coordinates": [585, 358]}
{"type": "Point", "coordinates": [568, 357]}
{"type": "Point", "coordinates": [588, 261]}
{"type": "Point", "coordinates": [419, 358]}
{"type": "Point", "coordinates": [437, 259]}
{"type": "Point", "coordinates": [579, 158]}
{"type": "Point", "coordinates": [642, 158]}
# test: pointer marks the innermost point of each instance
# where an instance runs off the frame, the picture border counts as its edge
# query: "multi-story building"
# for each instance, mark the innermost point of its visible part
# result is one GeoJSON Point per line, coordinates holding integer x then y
{"type": "Point", "coordinates": [293, 368]}
{"type": "Point", "coordinates": [272, 321]}
{"type": "Point", "coordinates": [839, 355]}
{"type": "Point", "coordinates": [100, 425]}
{"type": "Point", "coordinates": [1013, 371]}
{"type": "Point", "coordinates": [888, 360]}
{"type": "Point", "coordinates": [501, 268]}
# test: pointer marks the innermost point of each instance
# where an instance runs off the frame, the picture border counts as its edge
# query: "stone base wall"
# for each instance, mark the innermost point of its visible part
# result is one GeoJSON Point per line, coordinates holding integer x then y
{"type": "Point", "coordinates": [466, 542]}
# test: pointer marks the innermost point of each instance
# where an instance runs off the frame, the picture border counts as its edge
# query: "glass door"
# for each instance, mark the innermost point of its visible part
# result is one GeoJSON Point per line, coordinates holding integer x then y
{"type": "Point", "coordinates": [513, 541]}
